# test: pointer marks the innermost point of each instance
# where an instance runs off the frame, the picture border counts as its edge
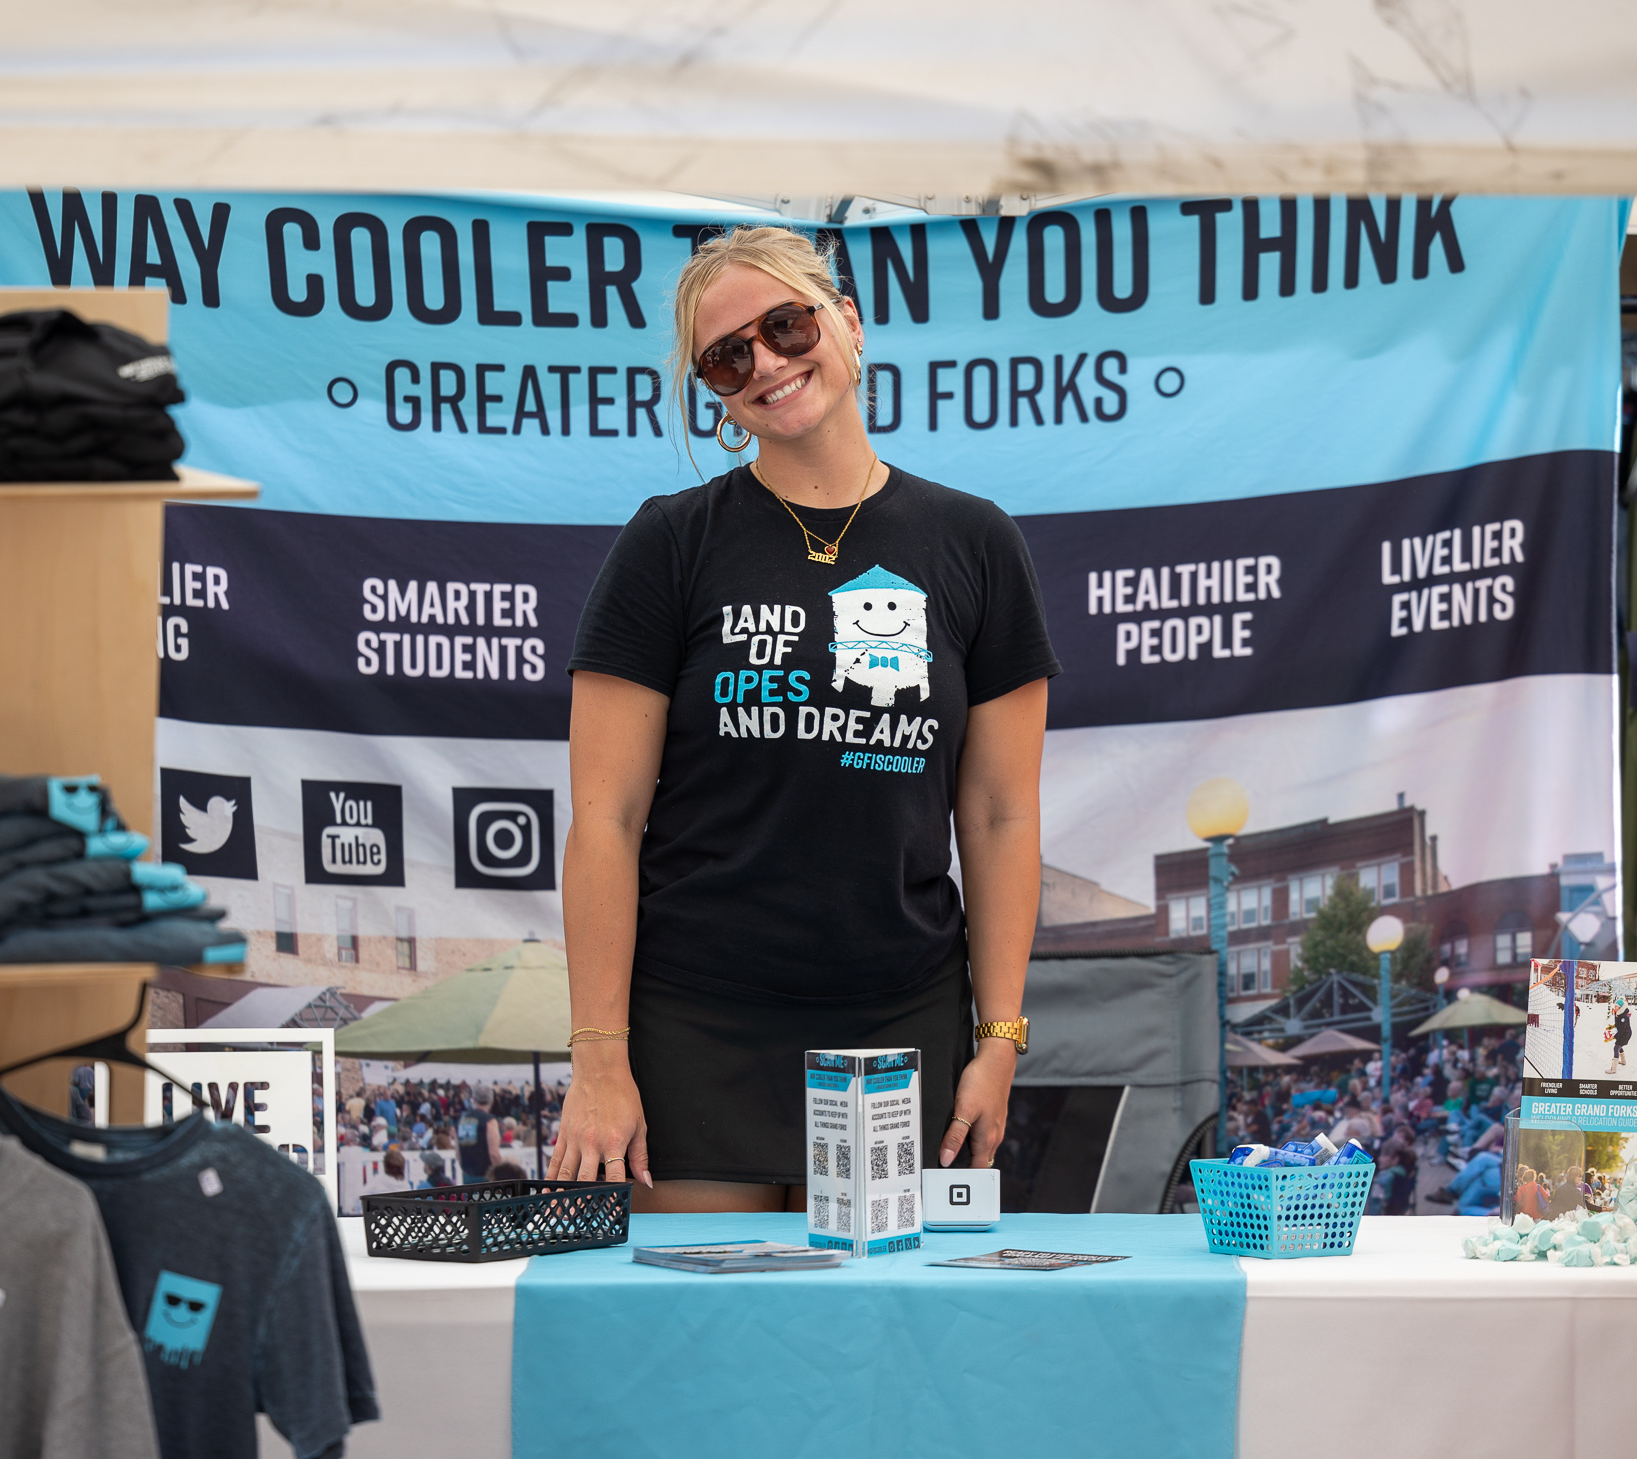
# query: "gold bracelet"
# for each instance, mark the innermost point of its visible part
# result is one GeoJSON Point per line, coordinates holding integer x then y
{"type": "Point", "coordinates": [606, 1035]}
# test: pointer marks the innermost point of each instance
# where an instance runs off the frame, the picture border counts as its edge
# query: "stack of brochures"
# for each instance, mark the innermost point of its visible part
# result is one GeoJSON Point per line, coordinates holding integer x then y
{"type": "Point", "coordinates": [739, 1256]}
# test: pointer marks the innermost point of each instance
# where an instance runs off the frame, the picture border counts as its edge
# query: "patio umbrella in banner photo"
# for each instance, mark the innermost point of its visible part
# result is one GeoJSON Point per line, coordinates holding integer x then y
{"type": "Point", "coordinates": [1473, 1010]}
{"type": "Point", "coordinates": [507, 1007]}
{"type": "Point", "coordinates": [1244, 1053]}
{"type": "Point", "coordinates": [1330, 1041]}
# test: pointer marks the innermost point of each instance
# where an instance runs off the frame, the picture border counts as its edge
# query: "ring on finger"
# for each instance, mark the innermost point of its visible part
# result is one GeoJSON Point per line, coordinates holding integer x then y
{"type": "Point", "coordinates": [957, 1120]}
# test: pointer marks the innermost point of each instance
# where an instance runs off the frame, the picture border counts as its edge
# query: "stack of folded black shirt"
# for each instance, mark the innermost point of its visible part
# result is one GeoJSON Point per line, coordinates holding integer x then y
{"type": "Point", "coordinates": [84, 402]}
{"type": "Point", "coordinates": [71, 889]}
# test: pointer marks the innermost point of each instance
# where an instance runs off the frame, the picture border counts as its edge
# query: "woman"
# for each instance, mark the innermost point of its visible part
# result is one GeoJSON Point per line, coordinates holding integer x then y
{"type": "Point", "coordinates": [785, 681]}
{"type": "Point", "coordinates": [1567, 1195]}
{"type": "Point", "coordinates": [1531, 1196]}
{"type": "Point", "coordinates": [1622, 1032]}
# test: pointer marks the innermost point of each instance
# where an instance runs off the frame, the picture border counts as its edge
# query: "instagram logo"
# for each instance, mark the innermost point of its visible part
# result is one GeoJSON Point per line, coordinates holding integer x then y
{"type": "Point", "coordinates": [504, 839]}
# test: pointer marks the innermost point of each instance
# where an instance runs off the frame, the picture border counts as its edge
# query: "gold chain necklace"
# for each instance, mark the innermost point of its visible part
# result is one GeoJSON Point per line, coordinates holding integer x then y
{"type": "Point", "coordinates": [825, 552]}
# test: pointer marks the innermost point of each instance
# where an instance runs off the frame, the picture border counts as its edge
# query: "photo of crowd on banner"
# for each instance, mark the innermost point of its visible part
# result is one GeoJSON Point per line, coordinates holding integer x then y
{"type": "Point", "coordinates": [435, 1133]}
{"type": "Point", "coordinates": [1438, 1144]}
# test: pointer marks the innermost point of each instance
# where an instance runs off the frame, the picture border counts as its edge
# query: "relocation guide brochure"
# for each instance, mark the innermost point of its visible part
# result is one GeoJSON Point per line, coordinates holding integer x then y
{"type": "Point", "coordinates": [738, 1256]}
{"type": "Point", "coordinates": [1578, 1122]}
{"type": "Point", "coordinates": [864, 1150]}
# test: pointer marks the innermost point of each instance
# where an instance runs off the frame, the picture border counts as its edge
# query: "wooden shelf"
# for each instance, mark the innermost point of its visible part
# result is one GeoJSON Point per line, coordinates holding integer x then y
{"type": "Point", "coordinates": [57, 975]}
{"type": "Point", "coordinates": [79, 595]}
{"type": "Point", "coordinates": [140, 311]}
{"type": "Point", "coordinates": [193, 485]}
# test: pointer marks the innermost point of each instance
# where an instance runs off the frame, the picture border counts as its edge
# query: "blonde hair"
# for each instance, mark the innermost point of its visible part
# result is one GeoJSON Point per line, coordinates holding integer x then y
{"type": "Point", "coordinates": [781, 253]}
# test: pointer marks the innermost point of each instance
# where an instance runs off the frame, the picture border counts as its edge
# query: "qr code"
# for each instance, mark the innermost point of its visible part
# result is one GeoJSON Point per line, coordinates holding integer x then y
{"type": "Point", "coordinates": [844, 1161]}
{"type": "Point", "coordinates": [906, 1157]}
{"type": "Point", "coordinates": [821, 1212]}
{"type": "Point", "coordinates": [821, 1157]}
{"type": "Point", "coordinates": [906, 1211]}
{"type": "Point", "coordinates": [878, 1215]}
{"type": "Point", "coordinates": [844, 1215]}
{"type": "Point", "coordinates": [878, 1162]}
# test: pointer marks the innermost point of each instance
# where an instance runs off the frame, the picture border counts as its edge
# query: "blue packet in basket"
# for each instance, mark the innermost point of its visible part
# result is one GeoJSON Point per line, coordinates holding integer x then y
{"type": "Point", "coordinates": [1293, 1153]}
{"type": "Point", "coordinates": [1249, 1154]}
{"type": "Point", "coordinates": [1352, 1153]}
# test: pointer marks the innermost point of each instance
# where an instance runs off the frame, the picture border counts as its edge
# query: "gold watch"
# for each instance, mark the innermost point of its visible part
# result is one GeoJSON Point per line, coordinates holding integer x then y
{"type": "Point", "coordinates": [1017, 1031]}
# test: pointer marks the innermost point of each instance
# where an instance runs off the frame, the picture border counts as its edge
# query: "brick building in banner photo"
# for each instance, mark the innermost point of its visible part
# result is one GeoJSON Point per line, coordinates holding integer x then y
{"type": "Point", "coordinates": [1486, 932]}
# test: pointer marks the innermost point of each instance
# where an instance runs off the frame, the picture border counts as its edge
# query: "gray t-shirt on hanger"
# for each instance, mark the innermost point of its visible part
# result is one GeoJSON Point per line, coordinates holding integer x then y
{"type": "Point", "coordinates": [71, 1378]}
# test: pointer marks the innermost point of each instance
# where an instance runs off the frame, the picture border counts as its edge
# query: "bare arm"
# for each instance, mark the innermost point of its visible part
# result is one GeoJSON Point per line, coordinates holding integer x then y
{"type": "Point", "coordinates": [997, 831]}
{"type": "Point", "coordinates": [615, 739]}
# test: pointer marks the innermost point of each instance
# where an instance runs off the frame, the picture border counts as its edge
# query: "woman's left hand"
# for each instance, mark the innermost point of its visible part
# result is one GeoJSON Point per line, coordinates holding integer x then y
{"type": "Point", "coordinates": [980, 1103]}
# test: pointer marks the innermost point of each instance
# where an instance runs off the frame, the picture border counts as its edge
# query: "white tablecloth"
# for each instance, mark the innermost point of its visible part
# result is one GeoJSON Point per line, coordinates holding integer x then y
{"type": "Point", "coordinates": [1403, 1348]}
{"type": "Point", "coordinates": [1406, 1349]}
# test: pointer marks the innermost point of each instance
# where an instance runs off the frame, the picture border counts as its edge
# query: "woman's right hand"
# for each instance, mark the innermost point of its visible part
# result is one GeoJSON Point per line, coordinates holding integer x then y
{"type": "Point", "coordinates": [602, 1121]}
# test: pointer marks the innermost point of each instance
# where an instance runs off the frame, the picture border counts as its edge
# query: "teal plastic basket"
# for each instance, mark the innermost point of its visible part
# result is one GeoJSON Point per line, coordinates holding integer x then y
{"type": "Point", "coordinates": [1252, 1210]}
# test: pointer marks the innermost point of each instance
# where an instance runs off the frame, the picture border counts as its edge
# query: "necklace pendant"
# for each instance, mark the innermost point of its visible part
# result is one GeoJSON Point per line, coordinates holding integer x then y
{"type": "Point", "coordinates": [826, 556]}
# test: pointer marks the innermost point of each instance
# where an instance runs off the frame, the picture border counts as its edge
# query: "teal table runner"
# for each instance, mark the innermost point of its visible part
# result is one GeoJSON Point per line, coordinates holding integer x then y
{"type": "Point", "coordinates": [888, 1358]}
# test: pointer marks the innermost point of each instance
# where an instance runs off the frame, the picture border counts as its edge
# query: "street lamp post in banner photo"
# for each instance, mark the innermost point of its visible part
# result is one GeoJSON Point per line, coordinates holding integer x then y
{"type": "Point", "coordinates": [1440, 978]}
{"type": "Point", "coordinates": [1217, 812]}
{"type": "Point", "coordinates": [1383, 937]}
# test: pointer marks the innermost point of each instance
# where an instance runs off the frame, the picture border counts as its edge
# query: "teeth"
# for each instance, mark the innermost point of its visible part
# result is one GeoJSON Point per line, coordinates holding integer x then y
{"type": "Point", "coordinates": [783, 391]}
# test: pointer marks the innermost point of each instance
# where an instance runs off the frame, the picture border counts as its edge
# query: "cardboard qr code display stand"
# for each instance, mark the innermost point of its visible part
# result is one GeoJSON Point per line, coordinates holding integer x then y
{"type": "Point", "coordinates": [864, 1150]}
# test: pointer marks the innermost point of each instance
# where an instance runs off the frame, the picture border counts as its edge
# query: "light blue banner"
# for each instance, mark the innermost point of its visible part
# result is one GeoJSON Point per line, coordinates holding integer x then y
{"type": "Point", "coordinates": [1105, 355]}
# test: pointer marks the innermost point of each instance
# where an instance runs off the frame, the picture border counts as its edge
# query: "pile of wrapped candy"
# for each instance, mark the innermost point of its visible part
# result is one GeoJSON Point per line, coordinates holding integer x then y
{"type": "Point", "coordinates": [1577, 1239]}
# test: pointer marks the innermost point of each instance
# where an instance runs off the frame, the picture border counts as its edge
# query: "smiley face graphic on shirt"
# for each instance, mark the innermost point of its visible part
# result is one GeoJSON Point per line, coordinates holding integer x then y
{"type": "Point", "coordinates": [180, 1318]}
{"type": "Point", "coordinates": [881, 635]}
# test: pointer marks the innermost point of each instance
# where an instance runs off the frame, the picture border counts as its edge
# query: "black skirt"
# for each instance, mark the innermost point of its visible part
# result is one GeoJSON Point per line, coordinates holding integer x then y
{"type": "Point", "coordinates": [722, 1078]}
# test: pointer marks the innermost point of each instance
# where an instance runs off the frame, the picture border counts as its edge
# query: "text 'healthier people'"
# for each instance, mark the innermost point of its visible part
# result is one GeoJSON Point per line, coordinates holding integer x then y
{"type": "Point", "coordinates": [1185, 585]}
{"type": "Point", "coordinates": [1172, 634]}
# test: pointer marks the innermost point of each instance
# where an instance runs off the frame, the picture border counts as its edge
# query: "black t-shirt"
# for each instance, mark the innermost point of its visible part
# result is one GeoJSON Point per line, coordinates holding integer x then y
{"type": "Point", "coordinates": [799, 840]}
{"type": "Point", "coordinates": [233, 1276]}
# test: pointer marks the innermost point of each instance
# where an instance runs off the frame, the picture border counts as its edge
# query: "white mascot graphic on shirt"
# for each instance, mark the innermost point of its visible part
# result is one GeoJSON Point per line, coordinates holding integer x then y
{"type": "Point", "coordinates": [881, 635]}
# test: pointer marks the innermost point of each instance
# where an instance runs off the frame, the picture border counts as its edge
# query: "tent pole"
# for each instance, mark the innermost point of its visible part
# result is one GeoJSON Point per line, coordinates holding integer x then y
{"type": "Point", "coordinates": [539, 1123]}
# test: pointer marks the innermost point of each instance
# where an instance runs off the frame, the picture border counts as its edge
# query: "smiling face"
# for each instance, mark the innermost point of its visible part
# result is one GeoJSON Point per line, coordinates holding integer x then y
{"type": "Point", "coordinates": [786, 398]}
{"type": "Point", "coordinates": [180, 1311]}
{"type": "Point", "coordinates": [887, 614]}
{"type": "Point", "coordinates": [180, 1318]}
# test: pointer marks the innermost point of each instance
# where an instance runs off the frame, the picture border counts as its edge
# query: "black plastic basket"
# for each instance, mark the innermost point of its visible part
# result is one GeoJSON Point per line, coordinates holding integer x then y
{"type": "Point", "coordinates": [498, 1221]}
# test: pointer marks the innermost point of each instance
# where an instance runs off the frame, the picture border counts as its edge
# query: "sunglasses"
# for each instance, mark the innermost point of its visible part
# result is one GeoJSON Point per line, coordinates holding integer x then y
{"type": "Point", "coordinates": [789, 330]}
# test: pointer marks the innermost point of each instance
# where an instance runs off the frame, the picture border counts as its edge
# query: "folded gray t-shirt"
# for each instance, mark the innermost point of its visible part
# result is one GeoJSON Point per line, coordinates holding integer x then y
{"type": "Point", "coordinates": [233, 1276]}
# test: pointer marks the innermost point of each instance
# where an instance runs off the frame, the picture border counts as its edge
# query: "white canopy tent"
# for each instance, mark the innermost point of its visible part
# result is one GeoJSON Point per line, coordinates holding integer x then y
{"type": "Point", "coordinates": [947, 104]}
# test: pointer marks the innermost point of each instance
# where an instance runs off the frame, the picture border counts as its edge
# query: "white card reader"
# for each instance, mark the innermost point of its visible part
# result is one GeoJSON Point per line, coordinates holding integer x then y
{"type": "Point", "coordinates": [960, 1200]}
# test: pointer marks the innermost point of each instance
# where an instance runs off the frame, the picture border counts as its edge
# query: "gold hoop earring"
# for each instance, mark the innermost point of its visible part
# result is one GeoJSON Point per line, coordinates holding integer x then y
{"type": "Point", "coordinates": [729, 420]}
{"type": "Point", "coordinates": [858, 367]}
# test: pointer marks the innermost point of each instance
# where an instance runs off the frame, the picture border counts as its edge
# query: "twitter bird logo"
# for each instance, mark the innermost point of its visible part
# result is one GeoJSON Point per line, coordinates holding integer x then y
{"type": "Point", "coordinates": [218, 841]}
{"type": "Point", "coordinates": [210, 827]}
